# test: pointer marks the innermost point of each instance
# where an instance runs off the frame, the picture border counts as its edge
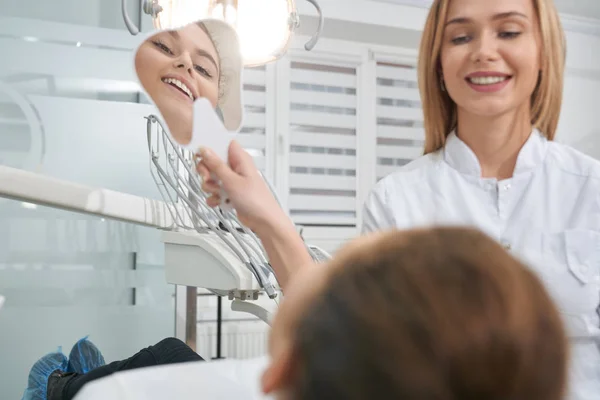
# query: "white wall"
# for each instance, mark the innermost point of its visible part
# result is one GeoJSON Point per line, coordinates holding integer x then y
{"type": "Point", "coordinates": [580, 124]}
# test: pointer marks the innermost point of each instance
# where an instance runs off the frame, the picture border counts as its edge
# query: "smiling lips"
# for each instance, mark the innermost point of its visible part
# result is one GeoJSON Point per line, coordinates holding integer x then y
{"type": "Point", "coordinates": [488, 81]}
{"type": "Point", "coordinates": [179, 86]}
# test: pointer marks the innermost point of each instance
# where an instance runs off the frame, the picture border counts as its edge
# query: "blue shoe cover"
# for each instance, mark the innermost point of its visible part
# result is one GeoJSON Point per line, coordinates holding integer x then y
{"type": "Point", "coordinates": [84, 357]}
{"type": "Point", "coordinates": [37, 384]}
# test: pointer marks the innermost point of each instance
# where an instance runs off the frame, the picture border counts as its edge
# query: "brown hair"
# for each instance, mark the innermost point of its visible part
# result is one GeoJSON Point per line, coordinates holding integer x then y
{"type": "Point", "coordinates": [444, 313]}
{"type": "Point", "coordinates": [439, 110]}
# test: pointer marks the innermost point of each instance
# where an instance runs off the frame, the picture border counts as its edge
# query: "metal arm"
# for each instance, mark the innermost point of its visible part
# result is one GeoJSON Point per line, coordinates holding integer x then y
{"type": "Point", "coordinates": [313, 41]}
{"type": "Point", "coordinates": [128, 22]}
{"type": "Point", "coordinates": [150, 7]}
{"type": "Point", "coordinates": [252, 308]}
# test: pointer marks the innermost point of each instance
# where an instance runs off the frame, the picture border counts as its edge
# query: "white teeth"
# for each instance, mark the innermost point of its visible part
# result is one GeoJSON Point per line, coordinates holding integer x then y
{"type": "Point", "coordinates": [488, 80]}
{"type": "Point", "coordinates": [180, 85]}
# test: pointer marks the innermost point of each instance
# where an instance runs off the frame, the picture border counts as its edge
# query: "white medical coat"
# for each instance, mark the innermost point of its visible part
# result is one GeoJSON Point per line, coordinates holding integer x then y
{"type": "Point", "coordinates": [548, 214]}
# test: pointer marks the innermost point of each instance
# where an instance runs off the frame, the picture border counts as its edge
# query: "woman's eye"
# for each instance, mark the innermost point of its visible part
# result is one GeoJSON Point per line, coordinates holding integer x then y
{"type": "Point", "coordinates": [163, 47]}
{"type": "Point", "coordinates": [203, 71]}
{"type": "Point", "coordinates": [509, 35]}
{"type": "Point", "coordinates": [460, 40]}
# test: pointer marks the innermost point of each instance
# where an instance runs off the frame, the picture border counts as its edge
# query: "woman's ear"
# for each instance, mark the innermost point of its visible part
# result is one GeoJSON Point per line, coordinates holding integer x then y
{"type": "Point", "coordinates": [279, 374]}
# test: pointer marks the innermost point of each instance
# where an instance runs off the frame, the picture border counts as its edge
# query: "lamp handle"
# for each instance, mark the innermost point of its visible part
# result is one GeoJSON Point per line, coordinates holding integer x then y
{"type": "Point", "coordinates": [128, 22]}
{"type": "Point", "coordinates": [149, 7]}
{"type": "Point", "coordinates": [313, 41]}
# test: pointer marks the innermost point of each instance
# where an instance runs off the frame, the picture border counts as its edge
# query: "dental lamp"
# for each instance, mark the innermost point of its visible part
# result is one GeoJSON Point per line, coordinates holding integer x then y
{"type": "Point", "coordinates": [265, 27]}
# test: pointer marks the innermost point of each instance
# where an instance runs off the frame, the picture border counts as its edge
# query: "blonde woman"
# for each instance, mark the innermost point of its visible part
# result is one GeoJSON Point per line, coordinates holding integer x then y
{"type": "Point", "coordinates": [491, 76]}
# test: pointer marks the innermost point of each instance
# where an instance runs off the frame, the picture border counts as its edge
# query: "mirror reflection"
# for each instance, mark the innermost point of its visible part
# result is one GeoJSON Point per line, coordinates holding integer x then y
{"type": "Point", "coordinates": [201, 60]}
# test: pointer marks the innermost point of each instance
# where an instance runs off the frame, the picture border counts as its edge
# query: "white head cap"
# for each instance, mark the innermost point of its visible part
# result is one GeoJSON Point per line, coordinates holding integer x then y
{"type": "Point", "coordinates": [227, 44]}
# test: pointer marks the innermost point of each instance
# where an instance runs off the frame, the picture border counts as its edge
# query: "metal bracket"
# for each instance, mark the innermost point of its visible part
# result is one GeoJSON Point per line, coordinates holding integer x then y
{"type": "Point", "coordinates": [313, 41]}
{"type": "Point", "coordinates": [150, 7]}
{"type": "Point", "coordinates": [252, 308]}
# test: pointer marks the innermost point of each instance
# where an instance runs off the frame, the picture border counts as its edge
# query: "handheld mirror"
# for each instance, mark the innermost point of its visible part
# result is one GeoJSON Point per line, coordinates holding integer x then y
{"type": "Point", "coordinates": [193, 75]}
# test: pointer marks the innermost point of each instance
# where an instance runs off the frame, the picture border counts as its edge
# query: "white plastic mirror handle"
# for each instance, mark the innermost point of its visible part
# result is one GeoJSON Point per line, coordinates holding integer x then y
{"type": "Point", "coordinates": [251, 308]}
{"type": "Point", "coordinates": [208, 131]}
{"type": "Point", "coordinates": [313, 41]}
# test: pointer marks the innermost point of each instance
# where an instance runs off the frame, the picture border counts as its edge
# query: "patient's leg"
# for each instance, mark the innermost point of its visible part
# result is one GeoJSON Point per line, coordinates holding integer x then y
{"type": "Point", "coordinates": [64, 386]}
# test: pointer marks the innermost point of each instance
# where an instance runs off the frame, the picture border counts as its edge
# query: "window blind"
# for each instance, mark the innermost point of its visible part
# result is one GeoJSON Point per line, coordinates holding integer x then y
{"type": "Point", "coordinates": [252, 135]}
{"type": "Point", "coordinates": [400, 134]}
{"type": "Point", "coordinates": [322, 154]}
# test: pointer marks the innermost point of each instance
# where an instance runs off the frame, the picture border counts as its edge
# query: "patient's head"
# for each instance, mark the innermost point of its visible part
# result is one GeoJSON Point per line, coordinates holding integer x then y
{"type": "Point", "coordinates": [444, 313]}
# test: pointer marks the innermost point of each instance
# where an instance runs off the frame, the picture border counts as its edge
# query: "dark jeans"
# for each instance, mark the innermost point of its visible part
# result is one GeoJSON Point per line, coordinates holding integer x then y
{"type": "Point", "coordinates": [64, 386]}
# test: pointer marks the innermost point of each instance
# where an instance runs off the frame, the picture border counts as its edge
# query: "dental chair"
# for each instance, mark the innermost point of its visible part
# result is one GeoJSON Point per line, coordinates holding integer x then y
{"type": "Point", "coordinates": [223, 379]}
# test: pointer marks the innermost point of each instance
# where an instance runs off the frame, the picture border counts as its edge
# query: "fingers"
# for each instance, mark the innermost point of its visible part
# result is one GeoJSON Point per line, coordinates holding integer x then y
{"type": "Point", "coordinates": [208, 185]}
{"type": "Point", "coordinates": [203, 171]}
{"type": "Point", "coordinates": [240, 160]}
{"type": "Point", "coordinates": [214, 200]}
{"type": "Point", "coordinates": [211, 186]}
{"type": "Point", "coordinates": [212, 164]}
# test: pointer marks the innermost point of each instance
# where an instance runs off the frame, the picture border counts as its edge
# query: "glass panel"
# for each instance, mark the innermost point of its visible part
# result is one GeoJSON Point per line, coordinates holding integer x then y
{"type": "Point", "coordinates": [100, 13]}
{"type": "Point", "coordinates": [66, 276]}
{"type": "Point", "coordinates": [71, 111]}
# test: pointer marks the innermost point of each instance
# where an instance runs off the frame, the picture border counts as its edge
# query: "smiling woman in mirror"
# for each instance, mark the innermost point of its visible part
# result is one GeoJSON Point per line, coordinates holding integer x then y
{"type": "Point", "coordinates": [176, 68]}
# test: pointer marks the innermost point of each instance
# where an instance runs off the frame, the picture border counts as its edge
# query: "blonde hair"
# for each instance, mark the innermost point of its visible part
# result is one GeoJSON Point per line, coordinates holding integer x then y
{"type": "Point", "coordinates": [439, 109]}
